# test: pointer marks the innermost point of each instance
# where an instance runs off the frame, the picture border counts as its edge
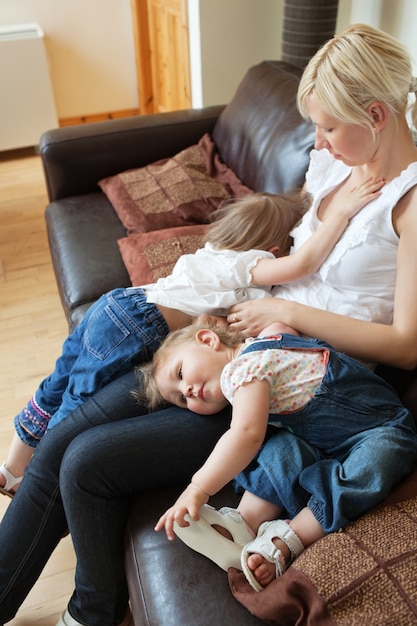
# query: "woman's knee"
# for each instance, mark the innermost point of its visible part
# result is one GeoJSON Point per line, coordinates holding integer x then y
{"type": "Point", "coordinates": [77, 463]}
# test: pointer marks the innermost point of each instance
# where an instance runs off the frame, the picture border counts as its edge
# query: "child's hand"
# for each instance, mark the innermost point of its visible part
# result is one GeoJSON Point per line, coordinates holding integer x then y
{"type": "Point", "coordinates": [190, 501]}
{"type": "Point", "coordinates": [359, 196]}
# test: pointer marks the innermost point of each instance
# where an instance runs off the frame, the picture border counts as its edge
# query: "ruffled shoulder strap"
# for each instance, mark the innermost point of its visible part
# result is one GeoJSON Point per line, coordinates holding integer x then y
{"type": "Point", "coordinates": [324, 172]}
{"type": "Point", "coordinates": [403, 183]}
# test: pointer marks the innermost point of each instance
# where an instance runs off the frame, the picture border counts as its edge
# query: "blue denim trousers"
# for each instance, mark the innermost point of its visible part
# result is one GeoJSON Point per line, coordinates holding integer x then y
{"type": "Point", "coordinates": [120, 330]}
{"type": "Point", "coordinates": [354, 441]}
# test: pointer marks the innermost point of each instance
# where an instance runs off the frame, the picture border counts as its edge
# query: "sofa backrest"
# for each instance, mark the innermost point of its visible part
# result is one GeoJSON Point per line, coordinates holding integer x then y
{"type": "Point", "coordinates": [260, 133]}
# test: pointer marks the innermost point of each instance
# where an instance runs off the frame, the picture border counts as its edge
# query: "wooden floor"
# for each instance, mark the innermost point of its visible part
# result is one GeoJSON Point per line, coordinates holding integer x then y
{"type": "Point", "coordinates": [32, 329]}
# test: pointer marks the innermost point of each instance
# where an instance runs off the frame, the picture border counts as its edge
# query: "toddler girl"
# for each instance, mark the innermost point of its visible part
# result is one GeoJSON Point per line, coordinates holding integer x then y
{"type": "Point", "coordinates": [361, 441]}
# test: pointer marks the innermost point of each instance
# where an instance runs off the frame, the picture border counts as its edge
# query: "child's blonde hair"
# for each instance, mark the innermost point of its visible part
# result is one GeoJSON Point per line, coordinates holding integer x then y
{"type": "Point", "coordinates": [149, 393]}
{"type": "Point", "coordinates": [258, 221]}
{"type": "Point", "coordinates": [359, 66]}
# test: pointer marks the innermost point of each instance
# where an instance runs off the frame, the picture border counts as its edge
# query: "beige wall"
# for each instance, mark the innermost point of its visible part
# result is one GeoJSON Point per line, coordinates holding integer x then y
{"type": "Point", "coordinates": [90, 50]}
{"type": "Point", "coordinates": [91, 55]}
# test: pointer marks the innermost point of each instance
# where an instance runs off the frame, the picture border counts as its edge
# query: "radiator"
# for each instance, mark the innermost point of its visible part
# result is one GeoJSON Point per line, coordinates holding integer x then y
{"type": "Point", "coordinates": [27, 105]}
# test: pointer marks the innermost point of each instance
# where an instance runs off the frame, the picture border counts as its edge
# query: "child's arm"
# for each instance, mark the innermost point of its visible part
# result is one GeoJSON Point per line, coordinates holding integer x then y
{"type": "Point", "coordinates": [232, 453]}
{"type": "Point", "coordinates": [314, 252]}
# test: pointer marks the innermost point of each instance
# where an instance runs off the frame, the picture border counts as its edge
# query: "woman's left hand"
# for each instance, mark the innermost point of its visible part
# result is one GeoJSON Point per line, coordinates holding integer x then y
{"type": "Point", "coordinates": [190, 501]}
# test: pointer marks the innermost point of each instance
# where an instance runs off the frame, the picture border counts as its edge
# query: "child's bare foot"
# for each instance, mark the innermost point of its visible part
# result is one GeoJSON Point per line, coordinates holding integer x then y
{"type": "Point", "coordinates": [263, 570]}
{"type": "Point", "coordinates": [269, 555]}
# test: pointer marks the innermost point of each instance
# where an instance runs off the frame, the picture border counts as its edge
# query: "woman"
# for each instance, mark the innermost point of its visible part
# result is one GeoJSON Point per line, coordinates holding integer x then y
{"type": "Point", "coordinates": [357, 136]}
{"type": "Point", "coordinates": [85, 480]}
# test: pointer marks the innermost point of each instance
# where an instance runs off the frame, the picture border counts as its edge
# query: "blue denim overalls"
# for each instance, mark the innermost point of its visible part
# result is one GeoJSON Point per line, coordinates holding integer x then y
{"type": "Point", "coordinates": [342, 452]}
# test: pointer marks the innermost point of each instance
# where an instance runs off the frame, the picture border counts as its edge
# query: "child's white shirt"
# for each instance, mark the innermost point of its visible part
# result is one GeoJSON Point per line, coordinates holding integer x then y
{"type": "Point", "coordinates": [209, 281]}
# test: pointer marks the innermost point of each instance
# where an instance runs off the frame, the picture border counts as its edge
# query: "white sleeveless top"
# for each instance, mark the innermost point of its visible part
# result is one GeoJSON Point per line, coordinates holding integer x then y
{"type": "Point", "coordinates": [358, 277]}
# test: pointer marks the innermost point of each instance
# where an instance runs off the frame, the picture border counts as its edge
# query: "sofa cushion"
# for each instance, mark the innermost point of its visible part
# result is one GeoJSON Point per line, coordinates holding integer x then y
{"type": "Point", "coordinates": [366, 574]}
{"type": "Point", "coordinates": [149, 256]}
{"type": "Point", "coordinates": [260, 134]}
{"type": "Point", "coordinates": [176, 191]}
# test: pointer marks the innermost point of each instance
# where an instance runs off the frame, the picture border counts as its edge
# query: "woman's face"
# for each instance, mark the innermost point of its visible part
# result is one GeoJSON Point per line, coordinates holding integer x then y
{"type": "Point", "coordinates": [190, 377]}
{"type": "Point", "coordinates": [352, 144]}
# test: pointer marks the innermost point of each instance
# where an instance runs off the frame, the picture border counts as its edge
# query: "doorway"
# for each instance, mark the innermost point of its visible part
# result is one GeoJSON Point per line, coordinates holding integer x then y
{"type": "Point", "coordinates": [161, 36]}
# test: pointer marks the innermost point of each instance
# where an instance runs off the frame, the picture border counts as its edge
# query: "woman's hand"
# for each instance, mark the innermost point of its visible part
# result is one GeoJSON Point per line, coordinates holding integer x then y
{"type": "Point", "coordinates": [190, 501]}
{"type": "Point", "coordinates": [251, 317]}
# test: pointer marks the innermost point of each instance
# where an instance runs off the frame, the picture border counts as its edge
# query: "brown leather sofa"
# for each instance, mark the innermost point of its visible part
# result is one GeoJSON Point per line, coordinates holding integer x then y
{"type": "Point", "coordinates": [260, 135]}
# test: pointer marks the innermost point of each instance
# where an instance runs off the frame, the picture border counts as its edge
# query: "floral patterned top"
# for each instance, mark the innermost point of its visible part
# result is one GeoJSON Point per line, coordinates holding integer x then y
{"type": "Point", "coordinates": [293, 374]}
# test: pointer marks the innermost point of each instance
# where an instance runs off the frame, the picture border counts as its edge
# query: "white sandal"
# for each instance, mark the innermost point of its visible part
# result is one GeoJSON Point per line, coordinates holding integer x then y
{"type": "Point", "coordinates": [203, 538]}
{"type": "Point", "coordinates": [12, 481]}
{"type": "Point", "coordinates": [264, 546]}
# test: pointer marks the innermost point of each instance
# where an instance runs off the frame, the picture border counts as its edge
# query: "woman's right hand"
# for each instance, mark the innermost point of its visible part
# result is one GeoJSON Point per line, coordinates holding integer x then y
{"type": "Point", "coordinates": [251, 317]}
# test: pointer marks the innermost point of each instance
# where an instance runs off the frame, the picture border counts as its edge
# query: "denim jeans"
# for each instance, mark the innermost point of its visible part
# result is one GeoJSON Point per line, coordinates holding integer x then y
{"type": "Point", "coordinates": [355, 441]}
{"type": "Point", "coordinates": [82, 474]}
{"type": "Point", "coordinates": [119, 330]}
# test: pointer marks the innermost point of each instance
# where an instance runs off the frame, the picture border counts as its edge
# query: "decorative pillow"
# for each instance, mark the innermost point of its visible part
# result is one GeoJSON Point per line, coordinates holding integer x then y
{"type": "Point", "coordinates": [178, 191]}
{"type": "Point", "coordinates": [150, 256]}
{"type": "Point", "coordinates": [366, 574]}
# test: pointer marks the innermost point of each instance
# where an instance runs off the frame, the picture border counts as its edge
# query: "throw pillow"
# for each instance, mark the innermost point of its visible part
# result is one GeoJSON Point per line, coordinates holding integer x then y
{"type": "Point", "coordinates": [149, 256]}
{"type": "Point", "coordinates": [177, 191]}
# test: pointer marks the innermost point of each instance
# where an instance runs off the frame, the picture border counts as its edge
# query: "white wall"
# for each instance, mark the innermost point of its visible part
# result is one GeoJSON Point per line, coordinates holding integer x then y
{"type": "Point", "coordinates": [90, 50]}
{"type": "Point", "coordinates": [397, 17]}
{"type": "Point", "coordinates": [400, 18]}
{"type": "Point", "coordinates": [235, 34]}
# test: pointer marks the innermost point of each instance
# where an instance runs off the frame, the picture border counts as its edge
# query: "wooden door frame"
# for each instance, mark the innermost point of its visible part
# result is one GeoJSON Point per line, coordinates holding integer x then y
{"type": "Point", "coordinates": [143, 55]}
{"type": "Point", "coordinates": [150, 100]}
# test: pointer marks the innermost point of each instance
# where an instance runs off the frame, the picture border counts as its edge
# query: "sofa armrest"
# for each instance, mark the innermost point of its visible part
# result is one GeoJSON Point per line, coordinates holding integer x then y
{"type": "Point", "coordinates": [75, 158]}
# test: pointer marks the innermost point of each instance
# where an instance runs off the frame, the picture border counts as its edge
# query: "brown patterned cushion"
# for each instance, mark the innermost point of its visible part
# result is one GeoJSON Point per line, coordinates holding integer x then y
{"type": "Point", "coordinates": [365, 575]}
{"type": "Point", "coordinates": [150, 256]}
{"type": "Point", "coordinates": [178, 191]}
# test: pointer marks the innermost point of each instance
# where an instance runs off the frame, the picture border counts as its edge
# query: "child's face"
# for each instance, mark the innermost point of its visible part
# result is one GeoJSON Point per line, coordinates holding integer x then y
{"type": "Point", "coordinates": [190, 375]}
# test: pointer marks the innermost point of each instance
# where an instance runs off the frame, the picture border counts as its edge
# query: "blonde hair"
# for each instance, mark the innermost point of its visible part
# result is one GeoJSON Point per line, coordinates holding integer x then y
{"type": "Point", "coordinates": [149, 392]}
{"type": "Point", "coordinates": [359, 66]}
{"type": "Point", "coordinates": [258, 221]}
